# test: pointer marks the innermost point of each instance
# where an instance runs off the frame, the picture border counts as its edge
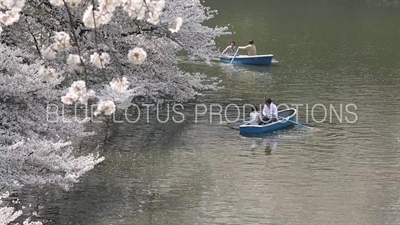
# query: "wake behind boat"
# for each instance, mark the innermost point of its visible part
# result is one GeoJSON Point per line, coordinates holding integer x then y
{"type": "Point", "coordinates": [263, 60]}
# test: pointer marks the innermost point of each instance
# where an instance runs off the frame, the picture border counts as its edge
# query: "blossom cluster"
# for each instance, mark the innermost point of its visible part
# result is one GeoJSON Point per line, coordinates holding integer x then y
{"type": "Point", "coordinates": [48, 73]}
{"type": "Point", "coordinates": [12, 11]}
{"type": "Point", "coordinates": [105, 107]}
{"type": "Point", "coordinates": [120, 85]}
{"type": "Point", "coordinates": [136, 9]}
{"type": "Point", "coordinates": [74, 61]}
{"type": "Point", "coordinates": [78, 92]}
{"type": "Point", "coordinates": [73, 3]}
{"type": "Point", "coordinates": [100, 60]}
{"type": "Point", "coordinates": [61, 44]}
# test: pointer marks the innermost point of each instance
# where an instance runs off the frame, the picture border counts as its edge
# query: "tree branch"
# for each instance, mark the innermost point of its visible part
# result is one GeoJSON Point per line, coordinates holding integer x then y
{"type": "Point", "coordinates": [72, 29]}
{"type": "Point", "coordinates": [34, 39]}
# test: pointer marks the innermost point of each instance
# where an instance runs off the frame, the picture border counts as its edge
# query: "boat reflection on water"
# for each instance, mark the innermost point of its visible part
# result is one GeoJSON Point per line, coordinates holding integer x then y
{"type": "Point", "coordinates": [269, 143]}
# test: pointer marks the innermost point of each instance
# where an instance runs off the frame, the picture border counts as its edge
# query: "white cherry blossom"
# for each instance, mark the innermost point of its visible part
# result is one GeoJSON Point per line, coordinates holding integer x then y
{"type": "Point", "coordinates": [155, 9]}
{"type": "Point", "coordinates": [74, 61]}
{"type": "Point", "coordinates": [136, 8]}
{"type": "Point", "coordinates": [15, 5]}
{"type": "Point", "coordinates": [57, 2]}
{"type": "Point", "coordinates": [105, 107]}
{"type": "Point", "coordinates": [100, 60]}
{"type": "Point", "coordinates": [137, 55]}
{"type": "Point", "coordinates": [49, 74]}
{"type": "Point", "coordinates": [176, 24]}
{"type": "Point", "coordinates": [62, 41]}
{"type": "Point", "coordinates": [9, 17]}
{"type": "Point", "coordinates": [120, 84]}
{"type": "Point", "coordinates": [108, 5]}
{"type": "Point", "coordinates": [94, 18]}
{"type": "Point", "coordinates": [48, 52]}
{"type": "Point", "coordinates": [84, 98]}
{"type": "Point", "coordinates": [69, 98]}
{"type": "Point", "coordinates": [78, 87]}
{"type": "Point", "coordinates": [88, 19]}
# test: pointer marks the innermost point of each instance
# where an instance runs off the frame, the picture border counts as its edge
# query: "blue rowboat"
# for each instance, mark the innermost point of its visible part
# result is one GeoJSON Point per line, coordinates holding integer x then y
{"type": "Point", "coordinates": [283, 122]}
{"type": "Point", "coordinates": [263, 60]}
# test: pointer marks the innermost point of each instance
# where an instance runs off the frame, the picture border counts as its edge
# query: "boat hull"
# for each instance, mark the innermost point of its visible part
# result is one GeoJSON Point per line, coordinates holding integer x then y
{"type": "Point", "coordinates": [288, 114]}
{"type": "Point", "coordinates": [264, 60]}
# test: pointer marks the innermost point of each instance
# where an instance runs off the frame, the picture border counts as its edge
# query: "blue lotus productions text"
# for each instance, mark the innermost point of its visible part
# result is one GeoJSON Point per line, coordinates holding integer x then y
{"type": "Point", "coordinates": [202, 113]}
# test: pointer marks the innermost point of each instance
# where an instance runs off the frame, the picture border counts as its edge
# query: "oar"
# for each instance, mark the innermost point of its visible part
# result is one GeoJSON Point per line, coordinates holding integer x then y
{"type": "Point", "coordinates": [302, 125]}
{"type": "Point", "coordinates": [234, 56]}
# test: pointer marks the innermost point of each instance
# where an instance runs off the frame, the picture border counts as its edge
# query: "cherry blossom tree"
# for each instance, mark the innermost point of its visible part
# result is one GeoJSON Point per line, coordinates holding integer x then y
{"type": "Point", "coordinates": [73, 52]}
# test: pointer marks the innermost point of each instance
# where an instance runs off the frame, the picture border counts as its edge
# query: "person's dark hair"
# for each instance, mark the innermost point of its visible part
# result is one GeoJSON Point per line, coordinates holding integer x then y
{"type": "Point", "coordinates": [233, 42]}
{"type": "Point", "coordinates": [269, 101]}
{"type": "Point", "coordinates": [251, 42]}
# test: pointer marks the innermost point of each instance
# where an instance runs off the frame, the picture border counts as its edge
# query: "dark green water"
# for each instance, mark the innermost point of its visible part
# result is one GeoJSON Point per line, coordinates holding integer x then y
{"type": "Point", "coordinates": [330, 53]}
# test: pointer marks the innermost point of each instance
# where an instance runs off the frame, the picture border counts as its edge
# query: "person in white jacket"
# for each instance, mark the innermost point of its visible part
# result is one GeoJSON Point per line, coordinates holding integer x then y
{"type": "Point", "coordinates": [270, 112]}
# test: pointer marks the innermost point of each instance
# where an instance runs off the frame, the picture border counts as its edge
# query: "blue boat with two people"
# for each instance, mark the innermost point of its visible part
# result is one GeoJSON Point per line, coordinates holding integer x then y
{"type": "Point", "coordinates": [286, 118]}
{"type": "Point", "coordinates": [250, 59]}
{"type": "Point", "coordinates": [262, 60]}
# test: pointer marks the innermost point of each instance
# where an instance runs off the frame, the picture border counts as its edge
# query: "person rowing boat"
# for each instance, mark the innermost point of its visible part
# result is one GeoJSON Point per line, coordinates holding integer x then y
{"type": "Point", "coordinates": [230, 50]}
{"type": "Point", "coordinates": [270, 112]}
